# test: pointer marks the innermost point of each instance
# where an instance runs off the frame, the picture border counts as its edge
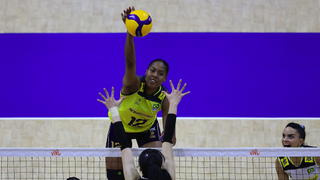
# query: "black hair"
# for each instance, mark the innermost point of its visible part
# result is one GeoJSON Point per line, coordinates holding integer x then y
{"type": "Point", "coordinates": [300, 129]}
{"type": "Point", "coordinates": [150, 162]}
{"type": "Point", "coordinates": [73, 178]}
{"type": "Point", "coordinates": [163, 61]}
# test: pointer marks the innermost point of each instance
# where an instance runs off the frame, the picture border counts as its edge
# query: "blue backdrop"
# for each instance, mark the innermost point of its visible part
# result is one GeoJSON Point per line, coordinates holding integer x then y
{"type": "Point", "coordinates": [228, 74]}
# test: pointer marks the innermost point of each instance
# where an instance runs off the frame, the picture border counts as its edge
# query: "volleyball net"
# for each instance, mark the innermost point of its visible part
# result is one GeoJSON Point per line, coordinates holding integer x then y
{"type": "Point", "coordinates": [191, 163]}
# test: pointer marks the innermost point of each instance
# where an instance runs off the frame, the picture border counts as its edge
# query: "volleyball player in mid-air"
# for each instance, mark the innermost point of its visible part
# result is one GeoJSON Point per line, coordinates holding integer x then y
{"type": "Point", "coordinates": [138, 112]}
{"type": "Point", "coordinates": [153, 164]}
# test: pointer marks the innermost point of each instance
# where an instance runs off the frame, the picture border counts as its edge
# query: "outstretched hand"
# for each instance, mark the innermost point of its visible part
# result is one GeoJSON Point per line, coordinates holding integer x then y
{"type": "Point", "coordinates": [175, 97]}
{"type": "Point", "coordinates": [126, 12]}
{"type": "Point", "coordinates": [110, 102]}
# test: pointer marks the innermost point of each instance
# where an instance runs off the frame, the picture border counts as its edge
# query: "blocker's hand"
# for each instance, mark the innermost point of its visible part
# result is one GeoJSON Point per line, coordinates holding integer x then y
{"type": "Point", "coordinates": [110, 102]}
{"type": "Point", "coordinates": [176, 94]}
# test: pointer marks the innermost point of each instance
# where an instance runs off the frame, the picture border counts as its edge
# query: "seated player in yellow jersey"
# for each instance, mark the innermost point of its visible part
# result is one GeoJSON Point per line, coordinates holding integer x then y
{"type": "Point", "coordinates": [138, 112]}
{"type": "Point", "coordinates": [297, 168]}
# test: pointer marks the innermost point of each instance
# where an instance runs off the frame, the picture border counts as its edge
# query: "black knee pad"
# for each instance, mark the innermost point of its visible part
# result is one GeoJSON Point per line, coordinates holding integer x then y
{"type": "Point", "coordinates": [115, 174]}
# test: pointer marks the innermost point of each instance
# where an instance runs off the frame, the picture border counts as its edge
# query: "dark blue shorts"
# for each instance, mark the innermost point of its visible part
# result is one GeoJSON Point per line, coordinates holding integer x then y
{"type": "Point", "coordinates": [153, 134]}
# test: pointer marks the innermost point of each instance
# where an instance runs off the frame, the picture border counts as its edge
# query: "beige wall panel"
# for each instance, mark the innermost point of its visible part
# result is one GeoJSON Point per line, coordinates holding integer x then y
{"type": "Point", "coordinates": [53, 133]}
{"type": "Point", "coordinates": [191, 133]}
{"type": "Point", "coordinates": [168, 16]}
{"type": "Point", "coordinates": [240, 132]}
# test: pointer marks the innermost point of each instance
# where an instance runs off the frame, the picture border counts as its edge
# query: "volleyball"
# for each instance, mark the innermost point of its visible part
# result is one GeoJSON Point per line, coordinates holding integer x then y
{"type": "Point", "coordinates": [139, 23]}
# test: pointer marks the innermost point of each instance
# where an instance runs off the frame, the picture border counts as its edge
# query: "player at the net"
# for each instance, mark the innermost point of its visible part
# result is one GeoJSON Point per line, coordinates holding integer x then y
{"type": "Point", "coordinates": [297, 168]}
{"type": "Point", "coordinates": [153, 163]}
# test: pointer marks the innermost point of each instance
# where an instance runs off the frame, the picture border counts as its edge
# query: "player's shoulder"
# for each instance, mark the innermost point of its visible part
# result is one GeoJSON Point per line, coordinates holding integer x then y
{"type": "Point", "coordinates": [285, 163]}
{"type": "Point", "coordinates": [164, 88]}
{"type": "Point", "coordinates": [317, 160]}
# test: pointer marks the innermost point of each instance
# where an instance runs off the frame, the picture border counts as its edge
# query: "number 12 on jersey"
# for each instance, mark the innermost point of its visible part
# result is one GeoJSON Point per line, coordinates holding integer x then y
{"type": "Point", "coordinates": [136, 122]}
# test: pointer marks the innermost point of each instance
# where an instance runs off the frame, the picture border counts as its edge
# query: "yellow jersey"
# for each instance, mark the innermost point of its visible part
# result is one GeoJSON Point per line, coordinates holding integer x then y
{"type": "Point", "coordinates": [307, 170]}
{"type": "Point", "coordinates": [138, 111]}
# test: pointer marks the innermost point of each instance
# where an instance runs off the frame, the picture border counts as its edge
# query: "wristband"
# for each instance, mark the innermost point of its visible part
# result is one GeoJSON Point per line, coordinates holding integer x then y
{"type": "Point", "coordinates": [114, 111]}
{"type": "Point", "coordinates": [169, 128]}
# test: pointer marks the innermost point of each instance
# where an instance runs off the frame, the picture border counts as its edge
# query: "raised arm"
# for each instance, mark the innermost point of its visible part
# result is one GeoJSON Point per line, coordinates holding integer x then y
{"type": "Point", "coordinates": [131, 82]}
{"type": "Point", "coordinates": [129, 170]}
{"type": "Point", "coordinates": [174, 99]}
{"type": "Point", "coordinates": [165, 109]}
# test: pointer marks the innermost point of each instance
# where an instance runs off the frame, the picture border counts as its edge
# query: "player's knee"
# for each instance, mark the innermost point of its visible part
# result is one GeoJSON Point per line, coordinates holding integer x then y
{"type": "Point", "coordinates": [115, 174]}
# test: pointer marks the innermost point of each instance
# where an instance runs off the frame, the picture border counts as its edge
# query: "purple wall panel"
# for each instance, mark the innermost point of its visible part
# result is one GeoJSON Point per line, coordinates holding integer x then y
{"type": "Point", "coordinates": [228, 74]}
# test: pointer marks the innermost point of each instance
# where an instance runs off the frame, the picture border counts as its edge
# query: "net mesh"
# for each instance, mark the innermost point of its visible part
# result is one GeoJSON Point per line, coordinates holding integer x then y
{"type": "Point", "coordinates": [191, 163]}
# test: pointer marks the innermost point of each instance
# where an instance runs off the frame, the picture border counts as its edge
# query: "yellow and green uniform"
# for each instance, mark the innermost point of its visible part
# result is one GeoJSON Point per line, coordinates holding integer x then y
{"type": "Point", "coordinates": [138, 111]}
{"type": "Point", "coordinates": [307, 170]}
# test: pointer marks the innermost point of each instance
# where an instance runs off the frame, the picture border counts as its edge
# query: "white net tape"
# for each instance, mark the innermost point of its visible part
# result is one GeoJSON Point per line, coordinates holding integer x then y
{"type": "Point", "coordinates": [191, 163]}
